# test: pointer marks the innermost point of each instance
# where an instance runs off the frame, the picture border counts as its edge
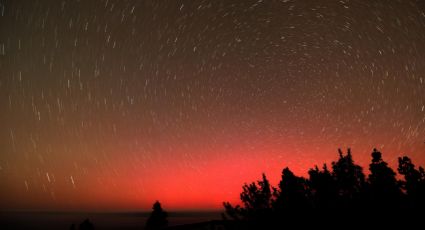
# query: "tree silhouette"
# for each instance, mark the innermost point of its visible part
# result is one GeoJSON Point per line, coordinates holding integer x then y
{"type": "Point", "coordinates": [233, 212]}
{"type": "Point", "coordinates": [256, 200]}
{"type": "Point", "coordinates": [414, 182]}
{"type": "Point", "coordinates": [323, 188]}
{"type": "Point", "coordinates": [384, 192]}
{"type": "Point", "coordinates": [350, 180]}
{"type": "Point", "coordinates": [293, 193]}
{"type": "Point", "coordinates": [158, 217]}
{"type": "Point", "coordinates": [336, 197]}
{"type": "Point", "coordinates": [257, 197]}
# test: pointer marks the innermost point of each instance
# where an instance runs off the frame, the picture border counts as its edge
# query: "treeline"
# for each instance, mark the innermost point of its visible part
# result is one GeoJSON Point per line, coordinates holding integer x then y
{"type": "Point", "coordinates": [342, 192]}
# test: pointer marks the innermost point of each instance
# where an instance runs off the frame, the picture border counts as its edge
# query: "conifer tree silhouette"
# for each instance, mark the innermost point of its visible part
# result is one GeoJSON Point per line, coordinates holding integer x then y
{"type": "Point", "coordinates": [335, 196]}
{"type": "Point", "coordinates": [158, 218]}
{"type": "Point", "coordinates": [350, 180]}
{"type": "Point", "coordinates": [414, 182]}
{"type": "Point", "coordinates": [383, 189]}
{"type": "Point", "coordinates": [256, 200]}
{"type": "Point", "coordinates": [233, 212]}
{"type": "Point", "coordinates": [323, 188]}
{"type": "Point", "coordinates": [293, 193]}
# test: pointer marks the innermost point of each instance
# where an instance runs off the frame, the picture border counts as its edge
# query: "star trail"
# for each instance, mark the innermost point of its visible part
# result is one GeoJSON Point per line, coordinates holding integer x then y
{"type": "Point", "coordinates": [115, 104]}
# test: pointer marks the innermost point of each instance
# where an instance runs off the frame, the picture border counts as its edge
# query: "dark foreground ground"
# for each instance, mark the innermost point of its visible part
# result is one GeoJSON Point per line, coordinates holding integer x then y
{"type": "Point", "coordinates": [102, 221]}
{"type": "Point", "coordinates": [336, 219]}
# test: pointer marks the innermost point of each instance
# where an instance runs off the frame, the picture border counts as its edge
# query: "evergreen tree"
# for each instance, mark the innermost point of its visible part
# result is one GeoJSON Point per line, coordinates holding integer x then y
{"type": "Point", "coordinates": [256, 200]}
{"type": "Point", "coordinates": [339, 195]}
{"type": "Point", "coordinates": [292, 194]}
{"type": "Point", "coordinates": [233, 212]}
{"type": "Point", "coordinates": [323, 187]}
{"type": "Point", "coordinates": [158, 218]}
{"type": "Point", "coordinates": [384, 192]}
{"type": "Point", "coordinates": [350, 180]}
{"type": "Point", "coordinates": [414, 182]}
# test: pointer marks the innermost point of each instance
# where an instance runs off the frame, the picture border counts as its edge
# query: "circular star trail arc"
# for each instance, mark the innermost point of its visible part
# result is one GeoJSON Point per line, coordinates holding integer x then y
{"type": "Point", "coordinates": [115, 104]}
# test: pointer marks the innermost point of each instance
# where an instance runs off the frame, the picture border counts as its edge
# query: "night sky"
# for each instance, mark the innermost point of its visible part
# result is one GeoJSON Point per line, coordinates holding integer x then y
{"type": "Point", "coordinates": [111, 105]}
